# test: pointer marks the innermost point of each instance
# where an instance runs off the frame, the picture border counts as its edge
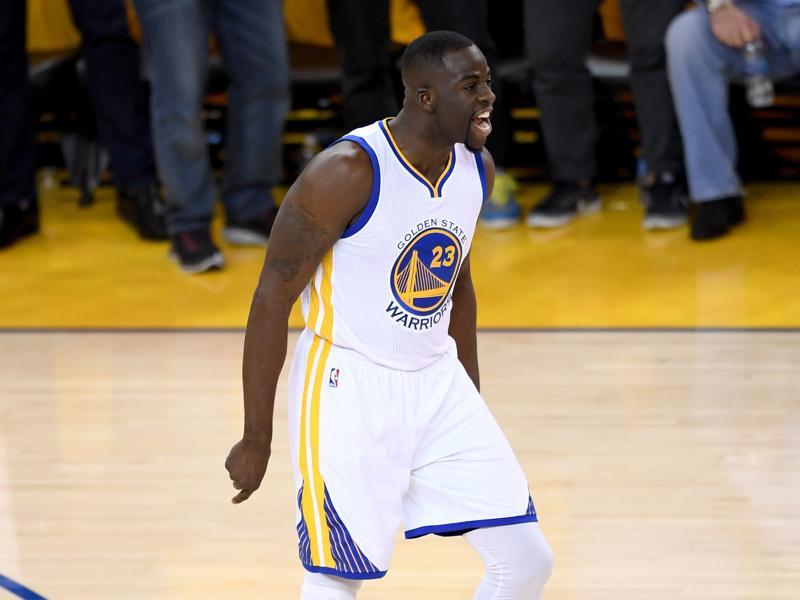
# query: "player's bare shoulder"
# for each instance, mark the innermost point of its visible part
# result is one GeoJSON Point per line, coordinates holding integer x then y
{"type": "Point", "coordinates": [331, 191]}
{"type": "Point", "coordinates": [339, 177]}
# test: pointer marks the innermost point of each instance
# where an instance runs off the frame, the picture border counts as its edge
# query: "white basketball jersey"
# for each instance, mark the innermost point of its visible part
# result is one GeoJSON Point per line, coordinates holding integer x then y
{"type": "Point", "coordinates": [384, 289]}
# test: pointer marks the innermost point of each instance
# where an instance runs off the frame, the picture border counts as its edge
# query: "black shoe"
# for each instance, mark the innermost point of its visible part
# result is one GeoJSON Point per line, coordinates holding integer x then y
{"type": "Point", "coordinates": [17, 221]}
{"type": "Point", "coordinates": [715, 218]}
{"type": "Point", "coordinates": [666, 201]}
{"type": "Point", "coordinates": [142, 207]}
{"type": "Point", "coordinates": [565, 202]}
{"type": "Point", "coordinates": [735, 210]}
{"type": "Point", "coordinates": [252, 232]}
{"type": "Point", "coordinates": [195, 252]}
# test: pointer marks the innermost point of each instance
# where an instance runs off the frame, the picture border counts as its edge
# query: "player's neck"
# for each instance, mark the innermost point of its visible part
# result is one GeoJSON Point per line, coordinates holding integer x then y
{"type": "Point", "coordinates": [419, 146]}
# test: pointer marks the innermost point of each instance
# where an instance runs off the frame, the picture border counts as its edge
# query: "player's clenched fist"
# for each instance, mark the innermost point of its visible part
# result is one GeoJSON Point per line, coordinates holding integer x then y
{"type": "Point", "coordinates": [246, 464]}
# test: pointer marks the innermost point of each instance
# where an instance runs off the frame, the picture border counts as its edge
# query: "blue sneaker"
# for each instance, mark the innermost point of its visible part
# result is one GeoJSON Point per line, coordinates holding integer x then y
{"type": "Point", "coordinates": [501, 210]}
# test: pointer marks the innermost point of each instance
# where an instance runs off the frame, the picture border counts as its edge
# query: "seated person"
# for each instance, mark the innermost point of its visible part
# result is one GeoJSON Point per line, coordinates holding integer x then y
{"type": "Point", "coordinates": [704, 53]}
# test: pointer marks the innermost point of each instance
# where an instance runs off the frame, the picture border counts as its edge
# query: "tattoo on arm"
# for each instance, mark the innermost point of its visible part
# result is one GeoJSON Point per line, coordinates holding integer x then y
{"type": "Point", "coordinates": [303, 239]}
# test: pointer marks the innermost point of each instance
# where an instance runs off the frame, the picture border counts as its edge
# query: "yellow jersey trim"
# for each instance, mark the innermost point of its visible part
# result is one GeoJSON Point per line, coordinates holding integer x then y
{"type": "Point", "coordinates": [434, 189]}
{"type": "Point", "coordinates": [313, 500]}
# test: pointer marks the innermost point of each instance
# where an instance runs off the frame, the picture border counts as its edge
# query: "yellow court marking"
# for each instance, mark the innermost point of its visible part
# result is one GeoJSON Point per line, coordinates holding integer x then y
{"type": "Point", "coordinates": [603, 270]}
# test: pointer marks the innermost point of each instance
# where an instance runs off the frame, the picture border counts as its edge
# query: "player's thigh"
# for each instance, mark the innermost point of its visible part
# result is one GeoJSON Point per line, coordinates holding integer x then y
{"type": "Point", "coordinates": [464, 470]}
{"type": "Point", "coordinates": [351, 470]}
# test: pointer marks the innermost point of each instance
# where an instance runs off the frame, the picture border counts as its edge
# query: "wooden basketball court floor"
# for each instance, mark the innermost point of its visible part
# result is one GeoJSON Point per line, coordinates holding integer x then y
{"type": "Point", "coordinates": [649, 385]}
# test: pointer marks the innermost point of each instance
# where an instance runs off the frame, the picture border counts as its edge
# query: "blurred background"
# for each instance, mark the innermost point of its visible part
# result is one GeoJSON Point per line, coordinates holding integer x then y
{"type": "Point", "coordinates": [636, 271]}
{"type": "Point", "coordinates": [769, 141]}
{"type": "Point", "coordinates": [602, 270]}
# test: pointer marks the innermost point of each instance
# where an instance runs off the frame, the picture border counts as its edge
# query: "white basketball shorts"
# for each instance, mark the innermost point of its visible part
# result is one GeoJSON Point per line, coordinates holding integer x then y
{"type": "Point", "coordinates": [375, 448]}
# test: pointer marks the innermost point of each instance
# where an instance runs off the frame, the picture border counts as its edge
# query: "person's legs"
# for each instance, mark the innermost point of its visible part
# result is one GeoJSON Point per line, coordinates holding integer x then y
{"type": "Point", "coordinates": [19, 214]}
{"type": "Point", "coordinates": [780, 32]}
{"type": "Point", "coordinates": [119, 95]}
{"type": "Point", "coordinates": [517, 558]}
{"type": "Point", "coordinates": [465, 480]}
{"type": "Point", "coordinates": [17, 160]}
{"type": "Point", "coordinates": [175, 44]}
{"type": "Point", "coordinates": [700, 67]}
{"type": "Point", "coordinates": [317, 586]}
{"type": "Point", "coordinates": [253, 45]}
{"type": "Point", "coordinates": [786, 29]}
{"type": "Point", "coordinates": [362, 34]}
{"type": "Point", "coordinates": [465, 474]}
{"type": "Point", "coordinates": [558, 38]}
{"type": "Point", "coordinates": [120, 101]}
{"type": "Point", "coordinates": [664, 185]}
{"type": "Point", "coordinates": [349, 479]}
{"type": "Point", "coordinates": [645, 27]}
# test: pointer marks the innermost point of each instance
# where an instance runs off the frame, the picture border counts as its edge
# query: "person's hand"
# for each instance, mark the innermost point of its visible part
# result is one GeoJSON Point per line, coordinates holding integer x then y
{"type": "Point", "coordinates": [734, 27]}
{"type": "Point", "coordinates": [246, 464]}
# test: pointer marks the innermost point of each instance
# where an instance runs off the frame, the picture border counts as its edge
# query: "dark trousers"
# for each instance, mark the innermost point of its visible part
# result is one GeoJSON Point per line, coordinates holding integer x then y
{"type": "Point", "coordinates": [362, 33]}
{"type": "Point", "coordinates": [17, 159]}
{"type": "Point", "coordinates": [558, 38]}
{"type": "Point", "coordinates": [119, 95]}
{"type": "Point", "coordinates": [118, 92]}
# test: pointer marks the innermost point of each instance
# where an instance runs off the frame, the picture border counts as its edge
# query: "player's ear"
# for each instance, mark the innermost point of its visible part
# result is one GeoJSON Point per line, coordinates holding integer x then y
{"type": "Point", "coordinates": [426, 98]}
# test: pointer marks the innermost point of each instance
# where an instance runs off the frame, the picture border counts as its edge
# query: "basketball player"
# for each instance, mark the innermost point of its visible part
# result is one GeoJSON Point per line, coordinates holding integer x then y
{"type": "Point", "coordinates": [386, 423]}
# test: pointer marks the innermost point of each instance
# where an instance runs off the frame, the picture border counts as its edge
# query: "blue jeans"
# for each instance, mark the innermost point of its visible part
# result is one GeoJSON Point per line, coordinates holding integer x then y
{"type": "Point", "coordinates": [252, 41]}
{"type": "Point", "coordinates": [700, 68]}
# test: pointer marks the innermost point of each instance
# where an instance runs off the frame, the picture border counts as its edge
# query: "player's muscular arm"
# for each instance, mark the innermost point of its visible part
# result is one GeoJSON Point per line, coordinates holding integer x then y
{"type": "Point", "coordinates": [463, 319]}
{"type": "Point", "coordinates": [329, 194]}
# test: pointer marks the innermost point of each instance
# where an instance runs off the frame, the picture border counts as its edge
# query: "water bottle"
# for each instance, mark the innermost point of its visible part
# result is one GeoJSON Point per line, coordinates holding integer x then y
{"type": "Point", "coordinates": [760, 92]}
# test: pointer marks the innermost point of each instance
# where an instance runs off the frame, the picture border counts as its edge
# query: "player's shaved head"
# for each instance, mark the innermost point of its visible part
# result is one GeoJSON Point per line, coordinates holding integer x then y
{"type": "Point", "coordinates": [429, 51]}
{"type": "Point", "coordinates": [448, 91]}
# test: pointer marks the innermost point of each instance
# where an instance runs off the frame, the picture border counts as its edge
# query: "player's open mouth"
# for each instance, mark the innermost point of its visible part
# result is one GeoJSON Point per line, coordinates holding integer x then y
{"type": "Point", "coordinates": [482, 122]}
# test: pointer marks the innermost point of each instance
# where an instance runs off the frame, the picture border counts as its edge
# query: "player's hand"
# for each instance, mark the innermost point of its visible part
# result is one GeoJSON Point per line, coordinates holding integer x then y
{"type": "Point", "coordinates": [246, 464]}
{"type": "Point", "coordinates": [734, 27]}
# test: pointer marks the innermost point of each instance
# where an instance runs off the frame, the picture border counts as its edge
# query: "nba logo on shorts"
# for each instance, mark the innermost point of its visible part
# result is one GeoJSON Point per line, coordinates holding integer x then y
{"type": "Point", "coordinates": [333, 381]}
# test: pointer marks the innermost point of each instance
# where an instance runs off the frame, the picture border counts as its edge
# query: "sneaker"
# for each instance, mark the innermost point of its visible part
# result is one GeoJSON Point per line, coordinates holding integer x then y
{"type": "Point", "coordinates": [715, 218]}
{"type": "Point", "coordinates": [666, 202]}
{"type": "Point", "coordinates": [252, 232]}
{"type": "Point", "coordinates": [501, 210]}
{"type": "Point", "coordinates": [195, 252]}
{"type": "Point", "coordinates": [17, 221]}
{"type": "Point", "coordinates": [564, 202]}
{"type": "Point", "coordinates": [143, 208]}
{"type": "Point", "coordinates": [735, 210]}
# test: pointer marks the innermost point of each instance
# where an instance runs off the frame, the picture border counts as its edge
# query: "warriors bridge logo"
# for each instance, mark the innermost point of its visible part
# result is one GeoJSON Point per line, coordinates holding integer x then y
{"type": "Point", "coordinates": [423, 275]}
